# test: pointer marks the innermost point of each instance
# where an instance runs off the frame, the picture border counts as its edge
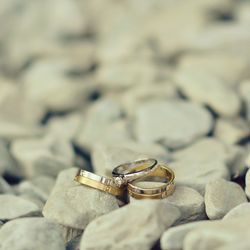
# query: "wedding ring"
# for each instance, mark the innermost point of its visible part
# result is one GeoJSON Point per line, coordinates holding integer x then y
{"type": "Point", "coordinates": [99, 182]}
{"type": "Point", "coordinates": [162, 174]}
{"type": "Point", "coordinates": [131, 171]}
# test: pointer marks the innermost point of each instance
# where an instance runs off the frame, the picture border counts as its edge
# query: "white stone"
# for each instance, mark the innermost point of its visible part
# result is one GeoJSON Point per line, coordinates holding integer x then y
{"type": "Point", "coordinates": [221, 196]}
{"type": "Point", "coordinates": [103, 123]}
{"type": "Point", "coordinates": [190, 203]}
{"type": "Point", "coordinates": [31, 233]}
{"type": "Point", "coordinates": [13, 207]}
{"type": "Point", "coordinates": [74, 205]}
{"type": "Point", "coordinates": [143, 225]}
{"type": "Point", "coordinates": [105, 158]}
{"type": "Point", "coordinates": [197, 174]}
{"type": "Point", "coordinates": [186, 121]}
{"type": "Point", "coordinates": [43, 156]}
{"type": "Point", "coordinates": [204, 88]}
{"type": "Point", "coordinates": [231, 131]}
{"type": "Point", "coordinates": [241, 210]}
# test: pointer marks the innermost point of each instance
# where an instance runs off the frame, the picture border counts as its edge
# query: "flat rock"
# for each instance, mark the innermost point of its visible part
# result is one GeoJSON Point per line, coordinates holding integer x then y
{"type": "Point", "coordinates": [43, 156]}
{"type": "Point", "coordinates": [68, 195]}
{"type": "Point", "coordinates": [31, 233]}
{"type": "Point", "coordinates": [103, 123]}
{"type": "Point", "coordinates": [241, 210]}
{"type": "Point", "coordinates": [190, 203]}
{"type": "Point", "coordinates": [105, 158]}
{"type": "Point", "coordinates": [186, 121]}
{"type": "Point", "coordinates": [203, 88]}
{"type": "Point", "coordinates": [244, 90]}
{"type": "Point", "coordinates": [197, 174]}
{"type": "Point", "coordinates": [134, 232]}
{"type": "Point", "coordinates": [221, 196]}
{"type": "Point", "coordinates": [13, 207]}
{"type": "Point", "coordinates": [231, 131]}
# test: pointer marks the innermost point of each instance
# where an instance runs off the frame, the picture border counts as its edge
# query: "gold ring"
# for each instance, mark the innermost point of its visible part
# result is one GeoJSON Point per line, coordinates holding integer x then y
{"type": "Point", "coordinates": [130, 171]}
{"type": "Point", "coordinates": [161, 174]}
{"type": "Point", "coordinates": [99, 182]}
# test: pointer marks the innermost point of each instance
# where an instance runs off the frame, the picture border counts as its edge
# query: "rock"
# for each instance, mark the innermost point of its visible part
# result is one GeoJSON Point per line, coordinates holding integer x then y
{"type": "Point", "coordinates": [218, 234]}
{"type": "Point", "coordinates": [66, 126]}
{"type": "Point", "coordinates": [13, 207]}
{"type": "Point", "coordinates": [68, 195]}
{"type": "Point", "coordinates": [103, 123]}
{"type": "Point", "coordinates": [186, 121]}
{"type": "Point", "coordinates": [43, 156]}
{"type": "Point", "coordinates": [31, 233]}
{"type": "Point", "coordinates": [197, 174]}
{"type": "Point", "coordinates": [190, 203]}
{"type": "Point", "coordinates": [201, 87]}
{"type": "Point", "coordinates": [229, 67]}
{"type": "Point", "coordinates": [109, 75]}
{"type": "Point", "coordinates": [139, 215]}
{"type": "Point", "coordinates": [247, 181]}
{"type": "Point", "coordinates": [241, 210]}
{"type": "Point", "coordinates": [244, 90]}
{"type": "Point", "coordinates": [46, 79]}
{"type": "Point", "coordinates": [221, 196]}
{"type": "Point", "coordinates": [231, 131]}
{"type": "Point", "coordinates": [172, 239]}
{"type": "Point", "coordinates": [105, 158]}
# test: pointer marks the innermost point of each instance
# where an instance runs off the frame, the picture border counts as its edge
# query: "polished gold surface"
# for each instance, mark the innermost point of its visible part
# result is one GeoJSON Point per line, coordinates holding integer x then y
{"type": "Point", "coordinates": [165, 189]}
{"type": "Point", "coordinates": [99, 182]}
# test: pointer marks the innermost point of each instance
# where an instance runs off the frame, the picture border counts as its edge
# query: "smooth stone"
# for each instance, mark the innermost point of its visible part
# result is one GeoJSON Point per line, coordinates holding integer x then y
{"type": "Point", "coordinates": [86, 202]}
{"type": "Point", "coordinates": [46, 79]}
{"type": "Point", "coordinates": [109, 75]}
{"type": "Point", "coordinates": [229, 67]}
{"type": "Point", "coordinates": [190, 203]}
{"type": "Point", "coordinates": [13, 207]}
{"type": "Point", "coordinates": [218, 234]}
{"type": "Point", "coordinates": [247, 181]}
{"type": "Point", "coordinates": [221, 196]}
{"type": "Point", "coordinates": [239, 211]}
{"type": "Point", "coordinates": [31, 233]}
{"type": "Point", "coordinates": [244, 90]}
{"type": "Point", "coordinates": [134, 232]}
{"type": "Point", "coordinates": [203, 88]}
{"type": "Point", "coordinates": [197, 174]}
{"type": "Point", "coordinates": [43, 156]}
{"type": "Point", "coordinates": [104, 158]}
{"type": "Point", "coordinates": [186, 121]}
{"type": "Point", "coordinates": [231, 131]}
{"type": "Point", "coordinates": [102, 123]}
{"type": "Point", "coordinates": [172, 239]}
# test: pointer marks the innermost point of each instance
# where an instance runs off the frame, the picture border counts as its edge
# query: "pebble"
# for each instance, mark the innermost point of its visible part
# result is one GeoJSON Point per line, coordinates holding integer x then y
{"type": "Point", "coordinates": [134, 232]}
{"type": "Point", "coordinates": [43, 156]}
{"type": "Point", "coordinates": [203, 88]}
{"type": "Point", "coordinates": [221, 196]}
{"type": "Point", "coordinates": [244, 90]}
{"type": "Point", "coordinates": [31, 233]}
{"type": "Point", "coordinates": [105, 158]}
{"type": "Point", "coordinates": [21, 207]}
{"type": "Point", "coordinates": [68, 195]}
{"type": "Point", "coordinates": [239, 211]}
{"type": "Point", "coordinates": [103, 124]}
{"type": "Point", "coordinates": [186, 121]}
{"type": "Point", "coordinates": [231, 131]}
{"type": "Point", "coordinates": [197, 174]}
{"type": "Point", "coordinates": [190, 203]}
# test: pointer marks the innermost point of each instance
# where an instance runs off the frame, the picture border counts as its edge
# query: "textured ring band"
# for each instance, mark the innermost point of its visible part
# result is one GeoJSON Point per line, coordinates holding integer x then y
{"type": "Point", "coordinates": [131, 171]}
{"type": "Point", "coordinates": [99, 182]}
{"type": "Point", "coordinates": [159, 192]}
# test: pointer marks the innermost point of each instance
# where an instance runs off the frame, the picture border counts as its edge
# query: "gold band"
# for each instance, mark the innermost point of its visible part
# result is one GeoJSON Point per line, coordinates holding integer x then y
{"type": "Point", "coordinates": [164, 190]}
{"type": "Point", "coordinates": [99, 182]}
